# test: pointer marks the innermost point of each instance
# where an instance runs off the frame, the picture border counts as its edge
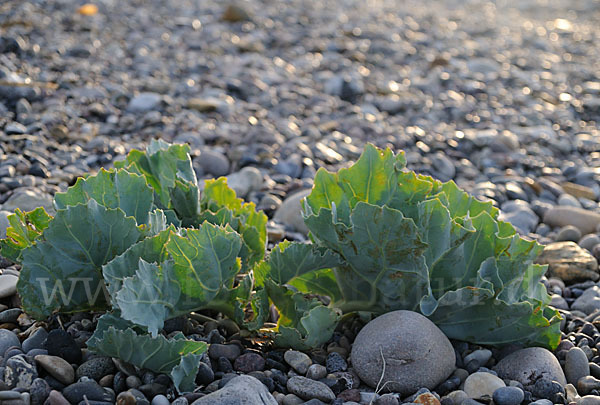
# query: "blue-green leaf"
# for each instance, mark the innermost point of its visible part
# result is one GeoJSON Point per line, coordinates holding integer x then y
{"type": "Point", "coordinates": [62, 272]}
{"type": "Point", "coordinates": [304, 323]}
{"type": "Point", "coordinates": [197, 267]}
{"type": "Point", "coordinates": [162, 165]}
{"type": "Point", "coordinates": [177, 357]}
{"type": "Point", "coordinates": [111, 189]}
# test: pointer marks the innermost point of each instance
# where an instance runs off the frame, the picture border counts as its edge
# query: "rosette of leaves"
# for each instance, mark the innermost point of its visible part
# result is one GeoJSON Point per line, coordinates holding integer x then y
{"type": "Point", "coordinates": [140, 238]}
{"type": "Point", "coordinates": [384, 238]}
{"type": "Point", "coordinates": [105, 214]}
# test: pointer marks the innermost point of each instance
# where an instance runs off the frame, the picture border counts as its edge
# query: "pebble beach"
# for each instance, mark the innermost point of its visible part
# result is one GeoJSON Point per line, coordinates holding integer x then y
{"type": "Point", "coordinates": [501, 97]}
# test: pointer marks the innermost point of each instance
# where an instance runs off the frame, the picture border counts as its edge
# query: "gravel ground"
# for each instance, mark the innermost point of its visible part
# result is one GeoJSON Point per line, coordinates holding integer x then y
{"type": "Point", "coordinates": [501, 97]}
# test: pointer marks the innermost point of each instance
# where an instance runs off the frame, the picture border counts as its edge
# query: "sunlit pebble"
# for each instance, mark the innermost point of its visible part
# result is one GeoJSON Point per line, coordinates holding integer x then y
{"type": "Point", "coordinates": [423, 147]}
{"type": "Point", "coordinates": [88, 9]}
{"type": "Point", "coordinates": [293, 126]}
{"type": "Point", "coordinates": [562, 24]}
{"type": "Point", "coordinates": [370, 117]}
{"type": "Point", "coordinates": [565, 97]}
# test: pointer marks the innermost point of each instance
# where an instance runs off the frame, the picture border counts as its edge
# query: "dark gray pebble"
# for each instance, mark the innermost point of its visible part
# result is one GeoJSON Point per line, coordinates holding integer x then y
{"type": "Point", "coordinates": [119, 384]}
{"type": "Point", "coordinates": [335, 362]}
{"type": "Point", "coordinates": [387, 399]}
{"type": "Point", "coordinates": [56, 398]}
{"type": "Point", "coordinates": [314, 401]}
{"type": "Point", "coordinates": [568, 233]}
{"type": "Point", "coordinates": [54, 383]}
{"type": "Point", "coordinates": [470, 401]}
{"type": "Point", "coordinates": [8, 339]}
{"type": "Point", "coordinates": [151, 390]}
{"type": "Point", "coordinates": [180, 401]}
{"type": "Point", "coordinates": [10, 315]}
{"type": "Point", "coordinates": [96, 368]}
{"type": "Point", "coordinates": [547, 389]}
{"type": "Point", "coordinates": [19, 373]}
{"type": "Point", "coordinates": [74, 393]}
{"type": "Point", "coordinates": [508, 396]}
{"type": "Point", "coordinates": [39, 391]}
{"type": "Point", "coordinates": [249, 362]}
{"type": "Point", "coordinates": [230, 352]}
{"type": "Point", "coordinates": [34, 352]}
{"type": "Point", "coordinates": [224, 365]}
{"type": "Point", "coordinates": [12, 352]}
{"type": "Point", "coordinates": [576, 365]}
{"type": "Point", "coordinates": [60, 343]}
{"type": "Point", "coordinates": [540, 402]}
{"type": "Point", "coordinates": [35, 341]}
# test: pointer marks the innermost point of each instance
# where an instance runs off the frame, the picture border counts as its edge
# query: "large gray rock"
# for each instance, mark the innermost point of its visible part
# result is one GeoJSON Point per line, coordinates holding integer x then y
{"type": "Point", "coordinates": [144, 102]}
{"type": "Point", "coordinates": [290, 211]}
{"type": "Point", "coordinates": [589, 301]}
{"type": "Point", "coordinates": [576, 365]}
{"type": "Point", "coordinates": [585, 220]}
{"type": "Point", "coordinates": [521, 217]}
{"type": "Point", "coordinates": [213, 162]}
{"type": "Point", "coordinates": [530, 364]}
{"type": "Point", "coordinates": [569, 262]}
{"type": "Point", "coordinates": [579, 191]}
{"type": "Point", "coordinates": [4, 224]}
{"type": "Point", "coordinates": [524, 219]}
{"type": "Point", "coordinates": [242, 390]}
{"type": "Point", "coordinates": [308, 389]}
{"type": "Point", "coordinates": [27, 200]}
{"type": "Point", "coordinates": [8, 285]}
{"type": "Point", "coordinates": [245, 181]}
{"type": "Point", "coordinates": [416, 352]}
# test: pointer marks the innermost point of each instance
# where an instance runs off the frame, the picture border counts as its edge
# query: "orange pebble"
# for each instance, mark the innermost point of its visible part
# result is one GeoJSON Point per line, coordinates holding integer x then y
{"type": "Point", "coordinates": [88, 9]}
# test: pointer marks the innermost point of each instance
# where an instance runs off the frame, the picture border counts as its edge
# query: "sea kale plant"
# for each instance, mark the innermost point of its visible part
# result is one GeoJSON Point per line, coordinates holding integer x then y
{"type": "Point", "coordinates": [145, 243]}
{"type": "Point", "coordinates": [384, 238]}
